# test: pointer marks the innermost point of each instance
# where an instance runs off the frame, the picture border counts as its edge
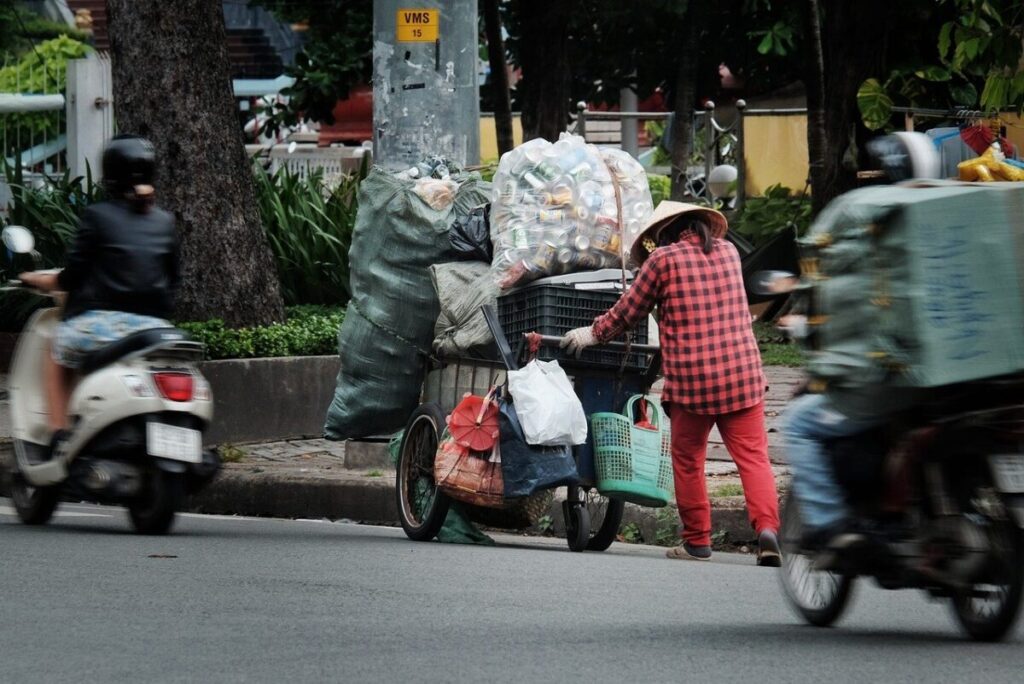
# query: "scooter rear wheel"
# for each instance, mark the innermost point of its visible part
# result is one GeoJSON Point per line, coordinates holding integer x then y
{"type": "Point", "coordinates": [155, 513]}
{"type": "Point", "coordinates": [35, 505]}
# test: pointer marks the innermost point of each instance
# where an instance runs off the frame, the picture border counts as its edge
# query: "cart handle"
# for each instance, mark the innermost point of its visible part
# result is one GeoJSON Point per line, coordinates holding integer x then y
{"type": "Point", "coordinates": [494, 325]}
{"type": "Point", "coordinates": [639, 348]}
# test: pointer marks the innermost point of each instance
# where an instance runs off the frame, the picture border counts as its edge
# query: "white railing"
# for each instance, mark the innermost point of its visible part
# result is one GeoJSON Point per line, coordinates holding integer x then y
{"type": "Point", "coordinates": [303, 159]}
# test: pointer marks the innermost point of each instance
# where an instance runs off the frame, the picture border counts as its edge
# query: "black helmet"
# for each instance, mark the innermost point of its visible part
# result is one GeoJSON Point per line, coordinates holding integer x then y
{"type": "Point", "coordinates": [905, 156]}
{"type": "Point", "coordinates": [128, 161]}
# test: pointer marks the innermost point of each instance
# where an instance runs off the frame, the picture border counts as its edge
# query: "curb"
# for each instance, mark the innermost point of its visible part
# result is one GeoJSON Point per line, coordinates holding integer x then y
{"type": "Point", "coordinates": [373, 501]}
{"type": "Point", "coordinates": [370, 501]}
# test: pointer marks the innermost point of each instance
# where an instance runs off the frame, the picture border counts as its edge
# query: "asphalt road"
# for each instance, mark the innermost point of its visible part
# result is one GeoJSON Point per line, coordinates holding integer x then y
{"type": "Point", "coordinates": [235, 599]}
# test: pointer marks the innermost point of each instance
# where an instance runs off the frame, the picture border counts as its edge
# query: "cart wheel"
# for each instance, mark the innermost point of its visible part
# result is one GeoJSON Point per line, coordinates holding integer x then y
{"type": "Point", "coordinates": [577, 525]}
{"type": "Point", "coordinates": [605, 518]}
{"type": "Point", "coordinates": [422, 507]}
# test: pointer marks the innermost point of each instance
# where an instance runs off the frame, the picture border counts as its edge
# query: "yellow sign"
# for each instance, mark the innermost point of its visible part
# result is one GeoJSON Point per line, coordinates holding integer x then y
{"type": "Point", "coordinates": [418, 25]}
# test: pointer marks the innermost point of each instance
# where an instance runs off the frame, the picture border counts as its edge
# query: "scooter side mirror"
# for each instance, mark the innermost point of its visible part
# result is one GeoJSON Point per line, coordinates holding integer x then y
{"type": "Point", "coordinates": [775, 282]}
{"type": "Point", "coordinates": [18, 239]}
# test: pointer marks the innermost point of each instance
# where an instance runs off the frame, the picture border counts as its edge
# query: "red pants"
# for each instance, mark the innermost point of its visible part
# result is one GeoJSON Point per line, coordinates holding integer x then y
{"type": "Point", "coordinates": [745, 438]}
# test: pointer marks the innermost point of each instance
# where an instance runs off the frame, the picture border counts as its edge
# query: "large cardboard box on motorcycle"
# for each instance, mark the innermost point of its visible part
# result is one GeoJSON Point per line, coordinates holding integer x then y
{"type": "Point", "coordinates": [919, 285]}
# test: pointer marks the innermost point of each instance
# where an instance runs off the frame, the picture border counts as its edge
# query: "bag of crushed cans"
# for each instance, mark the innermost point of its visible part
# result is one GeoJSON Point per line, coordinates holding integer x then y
{"type": "Point", "coordinates": [556, 209]}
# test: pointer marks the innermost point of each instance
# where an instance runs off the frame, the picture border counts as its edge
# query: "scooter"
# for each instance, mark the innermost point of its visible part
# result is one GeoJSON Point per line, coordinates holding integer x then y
{"type": "Point", "coordinates": [137, 413]}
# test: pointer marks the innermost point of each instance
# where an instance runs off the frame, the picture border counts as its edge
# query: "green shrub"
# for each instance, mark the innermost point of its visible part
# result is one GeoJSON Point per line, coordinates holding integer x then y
{"type": "Point", "coordinates": [762, 218]}
{"type": "Point", "coordinates": [488, 168]}
{"type": "Point", "coordinates": [308, 331]}
{"type": "Point", "coordinates": [309, 223]}
{"type": "Point", "coordinates": [32, 28]}
{"type": "Point", "coordinates": [661, 187]}
{"type": "Point", "coordinates": [41, 70]}
{"type": "Point", "coordinates": [51, 213]}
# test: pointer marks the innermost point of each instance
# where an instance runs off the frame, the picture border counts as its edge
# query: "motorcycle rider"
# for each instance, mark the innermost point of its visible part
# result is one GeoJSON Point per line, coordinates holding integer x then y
{"type": "Point", "coordinates": [837, 403]}
{"type": "Point", "coordinates": [121, 272]}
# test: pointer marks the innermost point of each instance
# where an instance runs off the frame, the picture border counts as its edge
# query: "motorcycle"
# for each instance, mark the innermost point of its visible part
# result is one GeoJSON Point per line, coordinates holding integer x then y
{"type": "Point", "coordinates": [138, 412]}
{"type": "Point", "coordinates": [939, 495]}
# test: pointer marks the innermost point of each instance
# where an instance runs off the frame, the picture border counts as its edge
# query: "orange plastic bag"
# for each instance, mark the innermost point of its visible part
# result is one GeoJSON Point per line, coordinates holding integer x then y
{"type": "Point", "coordinates": [469, 476]}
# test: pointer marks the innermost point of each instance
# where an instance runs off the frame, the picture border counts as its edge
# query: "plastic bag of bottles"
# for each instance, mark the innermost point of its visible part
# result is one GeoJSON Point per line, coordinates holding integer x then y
{"type": "Point", "coordinates": [555, 209]}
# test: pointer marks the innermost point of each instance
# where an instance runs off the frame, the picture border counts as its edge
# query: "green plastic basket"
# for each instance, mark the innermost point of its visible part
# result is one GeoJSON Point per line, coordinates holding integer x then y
{"type": "Point", "coordinates": [633, 463]}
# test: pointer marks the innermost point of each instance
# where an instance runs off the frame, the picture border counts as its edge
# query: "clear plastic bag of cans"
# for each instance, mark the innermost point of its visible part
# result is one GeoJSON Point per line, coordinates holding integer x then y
{"type": "Point", "coordinates": [554, 209]}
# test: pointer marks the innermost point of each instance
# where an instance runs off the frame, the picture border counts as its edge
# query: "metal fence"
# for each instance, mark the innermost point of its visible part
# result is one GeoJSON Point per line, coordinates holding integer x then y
{"type": "Point", "coordinates": [715, 142]}
{"type": "Point", "coordinates": [33, 119]}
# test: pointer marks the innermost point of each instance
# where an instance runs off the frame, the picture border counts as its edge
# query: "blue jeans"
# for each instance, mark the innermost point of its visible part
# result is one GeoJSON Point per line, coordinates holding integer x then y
{"type": "Point", "coordinates": [83, 334]}
{"type": "Point", "coordinates": [809, 421]}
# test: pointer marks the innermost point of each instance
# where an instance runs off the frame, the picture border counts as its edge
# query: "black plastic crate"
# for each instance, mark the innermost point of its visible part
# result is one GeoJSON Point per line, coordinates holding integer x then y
{"type": "Point", "coordinates": [557, 309]}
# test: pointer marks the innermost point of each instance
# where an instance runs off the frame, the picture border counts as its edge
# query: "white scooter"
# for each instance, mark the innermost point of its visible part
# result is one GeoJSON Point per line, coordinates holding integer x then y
{"type": "Point", "coordinates": [137, 415]}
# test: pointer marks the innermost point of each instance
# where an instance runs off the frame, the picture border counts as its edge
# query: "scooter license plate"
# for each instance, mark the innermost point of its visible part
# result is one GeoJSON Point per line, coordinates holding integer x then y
{"type": "Point", "coordinates": [1008, 471]}
{"type": "Point", "coordinates": [175, 443]}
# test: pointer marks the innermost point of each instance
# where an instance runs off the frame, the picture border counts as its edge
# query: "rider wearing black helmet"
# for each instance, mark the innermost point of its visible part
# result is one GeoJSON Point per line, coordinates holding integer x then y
{"type": "Point", "coordinates": [121, 272]}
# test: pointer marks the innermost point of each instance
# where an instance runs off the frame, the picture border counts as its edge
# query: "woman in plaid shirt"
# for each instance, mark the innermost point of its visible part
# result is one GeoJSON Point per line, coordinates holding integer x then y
{"type": "Point", "coordinates": [712, 366]}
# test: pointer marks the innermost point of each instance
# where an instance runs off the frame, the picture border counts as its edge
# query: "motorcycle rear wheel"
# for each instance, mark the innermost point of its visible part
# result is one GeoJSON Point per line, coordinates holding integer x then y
{"type": "Point", "coordinates": [155, 513]}
{"type": "Point", "coordinates": [987, 611]}
{"type": "Point", "coordinates": [817, 596]}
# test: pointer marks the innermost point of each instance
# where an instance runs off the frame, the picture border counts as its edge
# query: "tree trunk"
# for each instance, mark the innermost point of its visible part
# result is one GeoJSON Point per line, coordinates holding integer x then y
{"type": "Point", "coordinates": [814, 78]}
{"type": "Point", "coordinates": [685, 94]}
{"type": "Point", "coordinates": [172, 85]}
{"type": "Point", "coordinates": [499, 76]}
{"type": "Point", "coordinates": [852, 36]}
{"type": "Point", "coordinates": [544, 58]}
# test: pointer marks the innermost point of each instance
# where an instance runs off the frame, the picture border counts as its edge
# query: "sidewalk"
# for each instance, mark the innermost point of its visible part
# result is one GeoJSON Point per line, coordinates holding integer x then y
{"type": "Point", "coordinates": [317, 478]}
{"type": "Point", "coordinates": [782, 382]}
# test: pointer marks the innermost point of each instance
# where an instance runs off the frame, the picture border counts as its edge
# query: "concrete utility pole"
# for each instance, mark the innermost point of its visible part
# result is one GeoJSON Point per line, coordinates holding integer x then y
{"type": "Point", "coordinates": [628, 103]}
{"type": "Point", "coordinates": [425, 89]}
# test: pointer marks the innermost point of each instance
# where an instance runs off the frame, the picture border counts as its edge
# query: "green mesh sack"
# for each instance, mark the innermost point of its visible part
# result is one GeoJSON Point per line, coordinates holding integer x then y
{"type": "Point", "coordinates": [388, 329]}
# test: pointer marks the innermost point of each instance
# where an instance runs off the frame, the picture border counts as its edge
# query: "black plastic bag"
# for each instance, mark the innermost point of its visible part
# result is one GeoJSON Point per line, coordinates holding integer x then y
{"type": "Point", "coordinates": [527, 469]}
{"type": "Point", "coordinates": [471, 236]}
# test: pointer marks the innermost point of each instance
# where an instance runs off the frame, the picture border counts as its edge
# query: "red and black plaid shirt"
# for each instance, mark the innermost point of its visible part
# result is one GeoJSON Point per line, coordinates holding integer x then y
{"type": "Point", "coordinates": [710, 357]}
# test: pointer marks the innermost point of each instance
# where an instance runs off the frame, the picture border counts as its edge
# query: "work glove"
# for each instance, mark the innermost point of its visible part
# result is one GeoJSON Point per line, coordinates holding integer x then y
{"type": "Point", "coordinates": [575, 341]}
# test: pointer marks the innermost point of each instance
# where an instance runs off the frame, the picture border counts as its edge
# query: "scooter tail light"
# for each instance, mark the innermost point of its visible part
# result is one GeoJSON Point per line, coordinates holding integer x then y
{"type": "Point", "coordinates": [201, 390]}
{"type": "Point", "coordinates": [175, 386]}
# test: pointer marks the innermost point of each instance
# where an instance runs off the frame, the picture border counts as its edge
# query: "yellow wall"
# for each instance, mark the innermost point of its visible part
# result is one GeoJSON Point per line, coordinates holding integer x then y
{"type": "Point", "coordinates": [776, 149]}
{"type": "Point", "coordinates": [776, 152]}
{"type": "Point", "coordinates": [489, 137]}
{"type": "Point", "coordinates": [1015, 131]}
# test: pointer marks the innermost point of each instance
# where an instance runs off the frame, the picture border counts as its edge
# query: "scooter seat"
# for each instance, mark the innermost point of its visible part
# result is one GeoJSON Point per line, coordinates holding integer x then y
{"type": "Point", "coordinates": [128, 345]}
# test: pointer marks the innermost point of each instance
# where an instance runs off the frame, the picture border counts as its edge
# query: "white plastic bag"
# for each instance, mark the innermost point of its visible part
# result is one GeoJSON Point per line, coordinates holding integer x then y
{"type": "Point", "coordinates": [549, 410]}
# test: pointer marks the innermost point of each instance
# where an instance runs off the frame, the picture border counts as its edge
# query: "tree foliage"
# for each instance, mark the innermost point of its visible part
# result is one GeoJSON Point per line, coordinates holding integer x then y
{"type": "Point", "coordinates": [970, 57]}
{"type": "Point", "coordinates": [42, 70]}
{"type": "Point", "coordinates": [22, 29]}
{"type": "Point", "coordinates": [336, 56]}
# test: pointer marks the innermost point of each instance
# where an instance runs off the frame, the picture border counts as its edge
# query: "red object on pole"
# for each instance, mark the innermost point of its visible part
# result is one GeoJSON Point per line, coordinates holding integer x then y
{"type": "Point", "coordinates": [474, 422]}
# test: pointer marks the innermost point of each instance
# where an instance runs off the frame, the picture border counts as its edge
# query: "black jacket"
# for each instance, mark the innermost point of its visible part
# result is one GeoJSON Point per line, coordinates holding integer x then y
{"type": "Point", "coordinates": [122, 260]}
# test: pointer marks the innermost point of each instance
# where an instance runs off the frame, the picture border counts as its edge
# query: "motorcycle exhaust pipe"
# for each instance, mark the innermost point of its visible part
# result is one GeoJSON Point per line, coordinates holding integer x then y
{"type": "Point", "coordinates": [105, 477]}
{"type": "Point", "coordinates": [98, 477]}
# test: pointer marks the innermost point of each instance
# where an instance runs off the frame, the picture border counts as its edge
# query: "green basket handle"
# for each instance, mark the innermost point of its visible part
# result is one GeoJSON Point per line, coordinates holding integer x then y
{"type": "Point", "coordinates": [656, 417]}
